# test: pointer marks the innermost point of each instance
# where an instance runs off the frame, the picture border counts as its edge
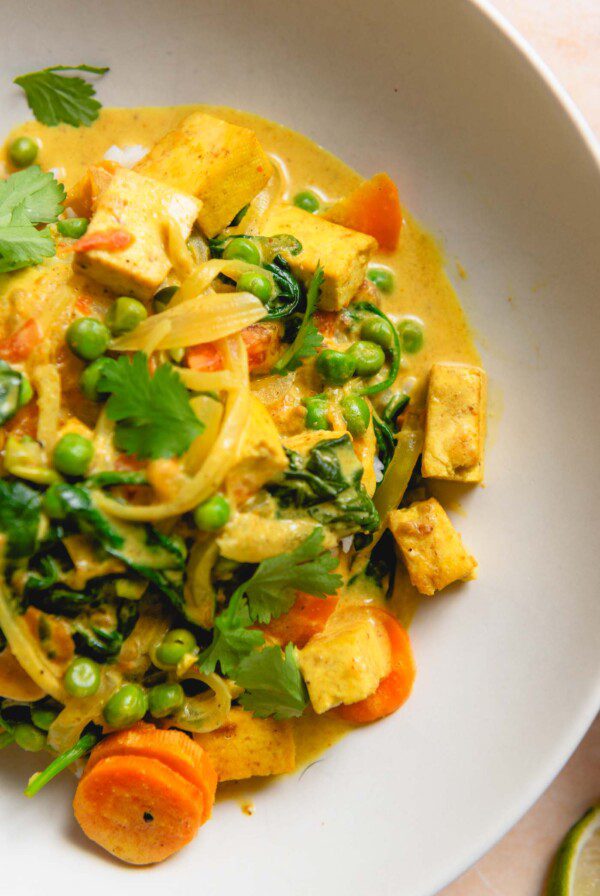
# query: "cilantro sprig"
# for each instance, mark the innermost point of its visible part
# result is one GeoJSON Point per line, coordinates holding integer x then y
{"type": "Point", "coordinates": [273, 685]}
{"type": "Point", "coordinates": [27, 199]}
{"type": "Point", "coordinates": [153, 413]}
{"type": "Point", "coordinates": [56, 99]}
{"type": "Point", "coordinates": [308, 338]}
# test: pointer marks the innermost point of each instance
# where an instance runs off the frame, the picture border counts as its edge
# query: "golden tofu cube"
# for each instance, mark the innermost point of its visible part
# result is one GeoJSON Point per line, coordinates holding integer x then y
{"type": "Point", "coordinates": [260, 454]}
{"type": "Point", "coordinates": [432, 548]}
{"type": "Point", "coordinates": [222, 164]}
{"type": "Point", "coordinates": [345, 662]}
{"type": "Point", "coordinates": [456, 423]}
{"type": "Point", "coordinates": [245, 747]}
{"type": "Point", "coordinates": [343, 253]}
{"type": "Point", "coordinates": [145, 209]}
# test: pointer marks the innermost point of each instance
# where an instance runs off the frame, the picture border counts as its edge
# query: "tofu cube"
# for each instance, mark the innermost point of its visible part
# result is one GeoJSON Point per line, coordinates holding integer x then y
{"type": "Point", "coordinates": [431, 547]}
{"type": "Point", "coordinates": [343, 253]}
{"type": "Point", "coordinates": [145, 209]}
{"type": "Point", "coordinates": [245, 747]}
{"type": "Point", "coordinates": [260, 454]}
{"type": "Point", "coordinates": [222, 164]}
{"type": "Point", "coordinates": [345, 662]}
{"type": "Point", "coordinates": [456, 423]}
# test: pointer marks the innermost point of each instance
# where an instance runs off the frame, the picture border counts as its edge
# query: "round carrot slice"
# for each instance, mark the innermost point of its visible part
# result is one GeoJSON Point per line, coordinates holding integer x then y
{"type": "Point", "coordinates": [395, 688]}
{"type": "Point", "coordinates": [137, 808]}
{"type": "Point", "coordinates": [173, 748]}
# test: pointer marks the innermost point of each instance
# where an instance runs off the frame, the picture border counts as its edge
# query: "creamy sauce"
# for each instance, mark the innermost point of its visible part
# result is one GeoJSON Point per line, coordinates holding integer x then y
{"type": "Point", "coordinates": [422, 289]}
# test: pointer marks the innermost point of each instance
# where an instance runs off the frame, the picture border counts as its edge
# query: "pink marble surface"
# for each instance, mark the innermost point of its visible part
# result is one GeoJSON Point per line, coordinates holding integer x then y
{"type": "Point", "coordinates": [566, 34]}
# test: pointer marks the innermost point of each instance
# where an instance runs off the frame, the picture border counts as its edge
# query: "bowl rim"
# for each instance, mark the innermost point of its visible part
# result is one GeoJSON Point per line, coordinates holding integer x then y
{"type": "Point", "coordinates": [568, 743]}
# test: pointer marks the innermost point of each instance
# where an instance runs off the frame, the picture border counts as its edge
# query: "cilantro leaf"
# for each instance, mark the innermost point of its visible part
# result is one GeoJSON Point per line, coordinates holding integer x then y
{"type": "Point", "coordinates": [272, 589]}
{"type": "Point", "coordinates": [58, 98]}
{"type": "Point", "coordinates": [27, 198]}
{"type": "Point", "coordinates": [21, 245]}
{"type": "Point", "coordinates": [233, 639]}
{"type": "Point", "coordinates": [272, 684]}
{"type": "Point", "coordinates": [308, 338]}
{"type": "Point", "coordinates": [153, 414]}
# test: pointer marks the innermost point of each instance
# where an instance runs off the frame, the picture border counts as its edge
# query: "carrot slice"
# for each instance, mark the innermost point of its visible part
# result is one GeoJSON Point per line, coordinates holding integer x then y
{"type": "Point", "coordinates": [173, 748]}
{"type": "Point", "coordinates": [260, 341]}
{"type": "Point", "coordinates": [372, 208]}
{"type": "Point", "coordinates": [19, 346]}
{"type": "Point", "coordinates": [106, 240]}
{"type": "Point", "coordinates": [395, 688]}
{"type": "Point", "coordinates": [307, 617]}
{"type": "Point", "coordinates": [205, 357]}
{"type": "Point", "coordinates": [137, 808]}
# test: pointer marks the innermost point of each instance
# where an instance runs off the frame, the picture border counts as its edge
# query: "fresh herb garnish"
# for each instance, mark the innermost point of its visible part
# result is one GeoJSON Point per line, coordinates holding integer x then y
{"type": "Point", "coordinates": [153, 413]}
{"type": "Point", "coordinates": [28, 198]}
{"type": "Point", "coordinates": [233, 638]}
{"type": "Point", "coordinates": [308, 338]}
{"type": "Point", "coordinates": [55, 98]}
{"type": "Point", "coordinates": [273, 684]}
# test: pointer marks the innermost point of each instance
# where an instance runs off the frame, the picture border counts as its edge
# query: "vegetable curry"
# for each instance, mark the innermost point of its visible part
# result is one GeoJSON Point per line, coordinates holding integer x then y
{"type": "Point", "coordinates": [231, 372]}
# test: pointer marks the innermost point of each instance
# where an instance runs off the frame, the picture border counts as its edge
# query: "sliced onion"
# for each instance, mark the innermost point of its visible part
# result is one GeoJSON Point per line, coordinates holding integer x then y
{"type": "Point", "coordinates": [205, 712]}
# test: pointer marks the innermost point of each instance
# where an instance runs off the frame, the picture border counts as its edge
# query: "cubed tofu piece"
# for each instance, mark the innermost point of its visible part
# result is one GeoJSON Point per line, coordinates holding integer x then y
{"type": "Point", "coordinates": [222, 164]}
{"type": "Point", "coordinates": [346, 662]}
{"type": "Point", "coordinates": [456, 423]}
{"type": "Point", "coordinates": [84, 195]}
{"type": "Point", "coordinates": [245, 747]}
{"type": "Point", "coordinates": [343, 253]}
{"type": "Point", "coordinates": [146, 209]}
{"type": "Point", "coordinates": [432, 548]}
{"type": "Point", "coordinates": [260, 454]}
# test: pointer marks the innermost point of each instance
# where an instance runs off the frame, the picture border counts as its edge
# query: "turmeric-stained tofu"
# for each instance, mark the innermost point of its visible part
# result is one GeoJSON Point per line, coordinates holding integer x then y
{"type": "Point", "coordinates": [432, 548]}
{"type": "Point", "coordinates": [345, 662]}
{"type": "Point", "coordinates": [220, 163]}
{"type": "Point", "coordinates": [245, 747]}
{"type": "Point", "coordinates": [343, 253]}
{"type": "Point", "coordinates": [260, 454]}
{"type": "Point", "coordinates": [456, 423]}
{"type": "Point", "coordinates": [146, 210]}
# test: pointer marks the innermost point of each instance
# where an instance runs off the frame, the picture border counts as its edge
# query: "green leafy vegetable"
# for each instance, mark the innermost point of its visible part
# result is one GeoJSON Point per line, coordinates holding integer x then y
{"type": "Point", "coordinates": [289, 291]}
{"type": "Point", "coordinates": [308, 338]}
{"type": "Point", "coordinates": [109, 478]}
{"type": "Point", "coordinates": [55, 98]}
{"type": "Point", "coordinates": [233, 639]}
{"type": "Point", "coordinates": [384, 437]}
{"type": "Point", "coordinates": [10, 390]}
{"type": "Point", "coordinates": [19, 518]}
{"type": "Point", "coordinates": [27, 198]}
{"type": "Point", "coordinates": [359, 310]}
{"type": "Point", "coordinates": [83, 746]}
{"type": "Point", "coordinates": [153, 413]}
{"type": "Point", "coordinates": [273, 684]}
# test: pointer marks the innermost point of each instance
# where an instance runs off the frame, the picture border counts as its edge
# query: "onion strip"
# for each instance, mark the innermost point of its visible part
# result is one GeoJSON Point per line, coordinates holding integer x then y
{"type": "Point", "coordinates": [46, 380]}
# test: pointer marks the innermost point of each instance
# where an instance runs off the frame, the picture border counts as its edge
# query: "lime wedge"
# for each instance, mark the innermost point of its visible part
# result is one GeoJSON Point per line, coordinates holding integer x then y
{"type": "Point", "coordinates": [576, 869]}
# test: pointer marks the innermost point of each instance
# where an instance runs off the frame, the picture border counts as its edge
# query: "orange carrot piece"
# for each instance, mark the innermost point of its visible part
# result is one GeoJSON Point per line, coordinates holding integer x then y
{"type": "Point", "coordinates": [259, 340]}
{"type": "Point", "coordinates": [137, 808]}
{"type": "Point", "coordinates": [372, 208]}
{"type": "Point", "coordinates": [173, 748]}
{"type": "Point", "coordinates": [307, 617]}
{"type": "Point", "coordinates": [105, 240]}
{"type": "Point", "coordinates": [205, 357]}
{"type": "Point", "coordinates": [395, 688]}
{"type": "Point", "coordinates": [19, 346]}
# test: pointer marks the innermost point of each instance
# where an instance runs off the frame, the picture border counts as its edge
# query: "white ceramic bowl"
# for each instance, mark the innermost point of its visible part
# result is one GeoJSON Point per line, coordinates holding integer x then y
{"type": "Point", "coordinates": [492, 156]}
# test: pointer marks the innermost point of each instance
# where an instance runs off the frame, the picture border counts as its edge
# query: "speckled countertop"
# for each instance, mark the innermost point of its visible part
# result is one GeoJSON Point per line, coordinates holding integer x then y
{"type": "Point", "coordinates": [566, 34]}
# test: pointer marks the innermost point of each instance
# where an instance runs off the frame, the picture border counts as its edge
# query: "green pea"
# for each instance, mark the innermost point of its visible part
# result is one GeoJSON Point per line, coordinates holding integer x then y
{"type": "Point", "coordinates": [82, 678]}
{"type": "Point", "coordinates": [25, 391]}
{"type": "Point", "coordinates": [242, 249]}
{"type": "Point", "coordinates": [335, 367]}
{"type": "Point", "coordinates": [382, 278]}
{"type": "Point", "coordinates": [307, 201]}
{"type": "Point", "coordinates": [368, 357]}
{"type": "Point", "coordinates": [53, 504]}
{"type": "Point", "coordinates": [411, 336]}
{"type": "Point", "coordinates": [88, 338]}
{"type": "Point", "coordinates": [174, 646]}
{"type": "Point", "coordinates": [72, 454]}
{"type": "Point", "coordinates": [74, 228]}
{"type": "Point", "coordinates": [316, 413]}
{"type": "Point", "coordinates": [43, 716]}
{"type": "Point", "coordinates": [127, 706]}
{"type": "Point", "coordinates": [163, 297]}
{"type": "Point", "coordinates": [29, 738]}
{"type": "Point", "coordinates": [376, 329]}
{"type": "Point", "coordinates": [356, 414]}
{"type": "Point", "coordinates": [165, 699]}
{"type": "Point", "coordinates": [258, 284]}
{"type": "Point", "coordinates": [212, 514]}
{"type": "Point", "coordinates": [89, 379]}
{"type": "Point", "coordinates": [23, 151]}
{"type": "Point", "coordinates": [124, 315]}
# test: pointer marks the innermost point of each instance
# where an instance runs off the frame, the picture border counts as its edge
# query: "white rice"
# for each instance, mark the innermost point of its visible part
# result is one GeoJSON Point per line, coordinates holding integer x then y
{"type": "Point", "coordinates": [378, 467]}
{"type": "Point", "coordinates": [126, 156]}
{"type": "Point", "coordinates": [347, 543]}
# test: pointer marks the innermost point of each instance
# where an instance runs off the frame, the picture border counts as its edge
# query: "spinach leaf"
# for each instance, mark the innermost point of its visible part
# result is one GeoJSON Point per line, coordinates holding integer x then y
{"type": "Point", "coordinates": [19, 518]}
{"type": "Point", "coordinates": [385, 441]}
{"type": "Point", "coordinates": [10, 388]}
